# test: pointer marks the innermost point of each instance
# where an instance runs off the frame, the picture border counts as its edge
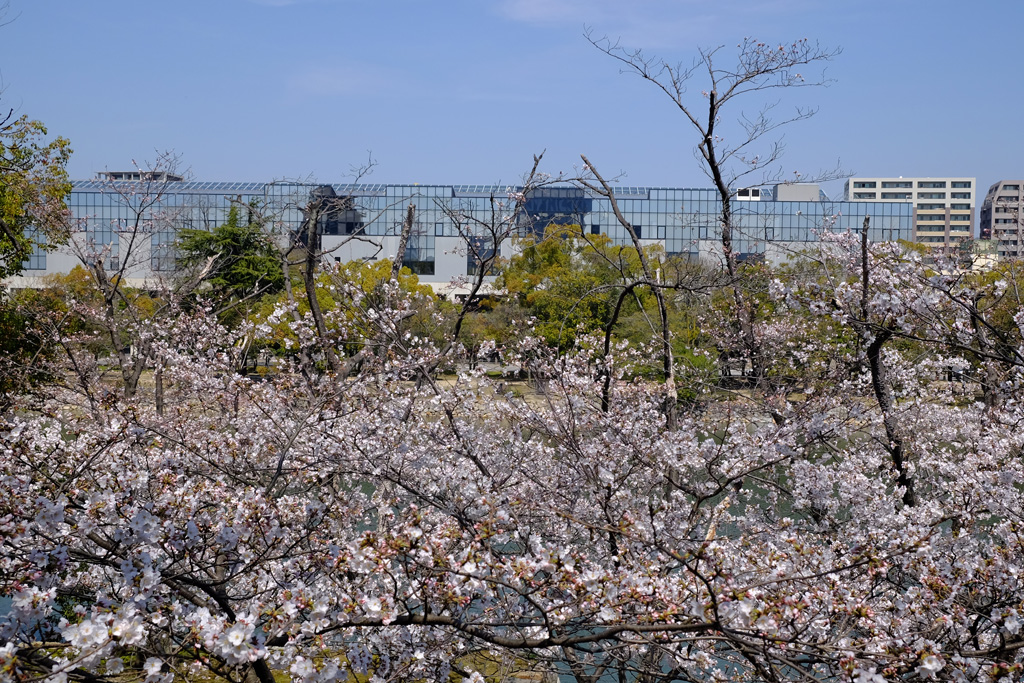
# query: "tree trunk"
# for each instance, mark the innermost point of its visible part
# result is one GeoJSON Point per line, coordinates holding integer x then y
{"type": "Point", "coordinates": [403, 241]}
{"type": "Point", "coordinates": [309, 280]}
{"type": "Point", "coordinates": [158, 390]}
{"type": "Point", "coordinates": [879, 377]}
{"type": "Point", "coordinates": [742, 310]}
{"type": "Point", "coordinates": [668, 365]}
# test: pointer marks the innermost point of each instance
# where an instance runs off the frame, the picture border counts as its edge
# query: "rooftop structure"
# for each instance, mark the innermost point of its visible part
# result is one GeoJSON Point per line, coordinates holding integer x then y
{"type": "Point", "coordinates": [139, 175]}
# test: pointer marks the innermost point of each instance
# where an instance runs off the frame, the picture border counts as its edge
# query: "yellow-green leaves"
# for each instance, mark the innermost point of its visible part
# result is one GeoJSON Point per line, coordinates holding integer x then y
{"type": "Point", "coordinates": [33, 186]}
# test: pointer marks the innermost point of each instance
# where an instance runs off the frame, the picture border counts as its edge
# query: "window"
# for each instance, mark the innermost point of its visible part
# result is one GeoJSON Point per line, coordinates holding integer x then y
{"type": "Point", "coordinates": [661, 232]}
{"type": "Point", "coordinates": [419, 254]}
{"type": "Point", "coordinates": [960, 183]}
{"type": "Point", "coordinates": [931, 195]}
{"type": "Point", "coordinates": [932, 184]}
{"type": "Point", "coordinates": [101, 242]}
{"type": "Point", "coordinates": [931, 217]}
{"type": "Point", "coordinates": [864, 184]}
{"type": "Point", "coordinates": [37, 259]}
{"type": "Point", "coordinates": [895, 195]}
{"type": "Point", "coordinates": [960, 217]}
{"type": "Point", "coordinates": [162, 256]}
{"type": "Point", "coordinates": [897, 183]}
{"type": "Point", "coordinates": [864, 195]}
{"type": "Point", "coordinates": [960, 207]}
{"type": "Point", "coordinates": [638, 229]}
{"type": "Point", "coordinates": [478, 250]}
{"type": "Point", "coordinates": [439, 229]}
{"type": "Point", "coordinates": [328, 224]}
{"type": "Point", "coordinates": [930, 207]}
{"type": "Point", "coordinates": [1012, 187]}
{"type": "Point", "coordinates": [960, 195]}
{"type": "Point", "coordinates": [595, 229]}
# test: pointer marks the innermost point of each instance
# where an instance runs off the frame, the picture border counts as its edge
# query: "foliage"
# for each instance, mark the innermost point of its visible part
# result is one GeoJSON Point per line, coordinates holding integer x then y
{"type": "Point", "coordinates": [492, 327]}
{"type": "Point", "coordinates": [568, 281]}
{"type": "Point", "coordinates": [33, 187]}
{"type": "Point", "coordinates": [344, 294]}
{"type": "Point", "coordinates": [62, 291]}
{"type": "Point", "coordinates": [369, 277]}
{"type": "Point", "coordinates": [19, 349]}
{"type": "Point", "coordinates": [63, 315]}
{"type": "Point", "coordinates": [245, 261]}
{"type": "Point", "coordinates": [76, 292]}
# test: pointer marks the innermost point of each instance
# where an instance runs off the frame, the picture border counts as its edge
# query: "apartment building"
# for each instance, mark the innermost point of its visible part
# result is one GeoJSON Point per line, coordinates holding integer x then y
{"type": "Point", "coordinates": [1000, 218]}
{"type": "Point", "coordinates": [943, 207]}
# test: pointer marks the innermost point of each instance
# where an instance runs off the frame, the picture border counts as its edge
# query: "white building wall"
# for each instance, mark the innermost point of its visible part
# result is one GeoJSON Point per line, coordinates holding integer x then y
{"type": "Point", "coordinates": [936, 221]}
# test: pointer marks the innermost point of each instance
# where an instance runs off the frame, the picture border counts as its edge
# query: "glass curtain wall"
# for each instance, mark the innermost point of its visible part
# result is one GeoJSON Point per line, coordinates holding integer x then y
{"type": "Point", "coordinates": [685, 221]}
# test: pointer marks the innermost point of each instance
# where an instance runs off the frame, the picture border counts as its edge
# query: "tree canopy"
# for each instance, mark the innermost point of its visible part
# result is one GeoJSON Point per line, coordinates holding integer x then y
{"type": "Point", "coordinates": [33, 188]}
{"type": "Point", "coordinates": [244, 260]}
{"type": "Point", "coordinates": [568, 281]}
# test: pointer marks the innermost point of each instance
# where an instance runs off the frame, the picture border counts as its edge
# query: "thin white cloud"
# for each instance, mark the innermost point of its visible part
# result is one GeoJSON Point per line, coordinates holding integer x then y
{"type": "Point", "coordinates": [653, 24]}
{"type": "Point", "coordinates": [285, 3]}
{"type": "Point", "coordinates": [357, 80]}
{"type": "Point", "coordinates": [551, 11]}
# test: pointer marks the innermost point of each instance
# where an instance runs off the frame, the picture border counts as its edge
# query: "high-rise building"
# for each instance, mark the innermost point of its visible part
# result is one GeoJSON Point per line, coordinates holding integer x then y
{"type": "Point", "coordinates": [1001, 220]}
{"type": "Point", "coordinates": [943, 207]}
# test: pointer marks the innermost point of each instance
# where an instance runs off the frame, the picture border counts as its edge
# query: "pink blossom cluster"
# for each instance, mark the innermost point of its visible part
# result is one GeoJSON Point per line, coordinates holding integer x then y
{"type": "Point", "coordinates": [392, 525]}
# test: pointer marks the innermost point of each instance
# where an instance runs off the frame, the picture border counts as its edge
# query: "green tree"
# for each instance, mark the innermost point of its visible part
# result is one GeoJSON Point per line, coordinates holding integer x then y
{"type": "Point", "coordinates": [32, 320]}
{"type": "Point", "coordinates": [243, 260]}
{"type": "Point", "coordinates": [33, 187]}
{"type": "Point", "coordinates": [569, 281]}
{"type": "Point", "coordinates": [501, 322]}
{"type": "Point", "coordinates": [344, 295]}
{"type": "Point", "coordinates": [19, 351]}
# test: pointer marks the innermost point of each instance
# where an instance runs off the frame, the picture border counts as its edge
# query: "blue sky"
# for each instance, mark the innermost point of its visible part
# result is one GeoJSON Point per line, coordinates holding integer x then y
{"type": "Point", "coordinates": [466, 91]}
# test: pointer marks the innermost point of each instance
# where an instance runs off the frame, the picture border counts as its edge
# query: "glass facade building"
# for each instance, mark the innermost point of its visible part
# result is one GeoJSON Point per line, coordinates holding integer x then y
{"type": "Point", "coordinates": [139, 220]}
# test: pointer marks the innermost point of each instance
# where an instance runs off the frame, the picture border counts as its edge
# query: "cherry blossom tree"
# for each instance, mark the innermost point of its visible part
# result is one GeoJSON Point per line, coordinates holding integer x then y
{"type": "Point", "coordinates": [131, 310]}
{"type": "Point", "coordinates": [262, 527]}
{"type": "Point", "coordinates": [735, 148]}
